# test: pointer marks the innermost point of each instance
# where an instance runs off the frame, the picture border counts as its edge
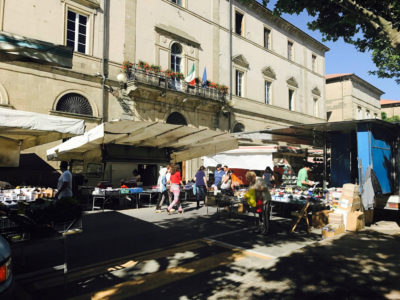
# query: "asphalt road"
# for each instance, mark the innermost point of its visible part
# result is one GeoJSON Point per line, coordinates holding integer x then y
{"type": "Point", "coordinates": [138, 254]}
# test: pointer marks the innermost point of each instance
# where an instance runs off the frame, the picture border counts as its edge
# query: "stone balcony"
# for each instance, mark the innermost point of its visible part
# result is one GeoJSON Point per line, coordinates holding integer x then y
{"type": "Point", "coordinates": [145, 79]}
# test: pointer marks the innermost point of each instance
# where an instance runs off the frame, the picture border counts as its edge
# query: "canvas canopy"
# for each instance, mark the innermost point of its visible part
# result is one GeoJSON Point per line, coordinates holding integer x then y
{"type": "Point", "coordinates": [21, 130]}
{"type": "Point", "coordinates": [251, 158]}
{"type": "Point", "coordinates": [186, 142]}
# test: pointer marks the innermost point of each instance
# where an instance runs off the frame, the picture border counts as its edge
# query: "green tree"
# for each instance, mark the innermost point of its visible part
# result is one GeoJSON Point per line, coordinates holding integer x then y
{"type": "Point", "coordinates": [369, 25]}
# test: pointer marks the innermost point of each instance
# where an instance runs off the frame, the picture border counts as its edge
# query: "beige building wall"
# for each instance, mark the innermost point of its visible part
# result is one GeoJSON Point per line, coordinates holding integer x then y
{"type": "Point", "coordinates": [391, 110]}
{"type": "Point", "coordinates": [348, 97]}
{"type": "Point", "coordinates": [145, 30]}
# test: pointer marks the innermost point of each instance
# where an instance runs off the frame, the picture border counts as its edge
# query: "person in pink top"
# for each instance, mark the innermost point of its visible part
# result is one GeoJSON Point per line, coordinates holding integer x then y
{"type": "Point", "coordinates": [176, 182]}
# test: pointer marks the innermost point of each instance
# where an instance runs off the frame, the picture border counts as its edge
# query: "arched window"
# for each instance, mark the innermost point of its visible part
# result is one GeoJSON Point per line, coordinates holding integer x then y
{"type": "Point", "coordinates": [176, 57]}
{"type": "Point", "coordinates": [239, 127]}
{"type": "Point", "coordinates": [74, 103]}
{"type": "Point", "coordinates": [176, 119]}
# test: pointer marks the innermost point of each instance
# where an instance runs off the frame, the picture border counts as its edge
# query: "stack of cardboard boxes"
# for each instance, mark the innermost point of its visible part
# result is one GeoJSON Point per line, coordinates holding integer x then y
{"type": "Point", "coordinates": [347, 214]}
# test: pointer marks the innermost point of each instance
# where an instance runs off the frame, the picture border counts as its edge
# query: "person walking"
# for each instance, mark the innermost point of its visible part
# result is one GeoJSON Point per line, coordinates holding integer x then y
{"type": "Point", "coordinates": [162, 189]}
{"type": "Point", "coordinates": [168, 185]}
{"type": "Point", "coordinates": [263, 201]}
{"type": "Point", "coordinates": [201, 185]}
{"type": "Point", "coordinates": [176, 182]}
{"type": "Point", "coordinates": [218, 173]}
{"type": "Point", "coordinates": [268, 176]}
{"type": "Point", "coordinates": [64, 185]}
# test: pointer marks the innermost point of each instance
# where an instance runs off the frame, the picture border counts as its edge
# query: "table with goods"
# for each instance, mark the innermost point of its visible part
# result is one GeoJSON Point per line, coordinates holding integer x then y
{"type": "Point", "coordinates": [31, 215]}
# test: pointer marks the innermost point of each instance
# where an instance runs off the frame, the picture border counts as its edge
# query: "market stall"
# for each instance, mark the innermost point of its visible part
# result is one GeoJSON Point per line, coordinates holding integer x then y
{"type": "Point", "coordinates": [116, 143]}
{"type": "Point", "coordinates": [20, 130]}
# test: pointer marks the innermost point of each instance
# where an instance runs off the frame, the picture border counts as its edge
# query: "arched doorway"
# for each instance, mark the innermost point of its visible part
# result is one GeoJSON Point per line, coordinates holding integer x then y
{"type": "Point", "coordinates": [239, 127]}
{"type": "Point", "coordinates": [176, 119]}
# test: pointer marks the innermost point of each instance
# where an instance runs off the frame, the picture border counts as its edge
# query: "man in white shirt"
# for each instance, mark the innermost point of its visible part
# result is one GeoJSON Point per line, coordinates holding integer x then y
{"type": "Point", "coordinates": [64, 186]}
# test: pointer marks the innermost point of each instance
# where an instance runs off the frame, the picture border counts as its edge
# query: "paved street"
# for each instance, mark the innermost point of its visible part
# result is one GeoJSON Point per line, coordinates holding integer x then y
{"type": "Point", "coordinates": [137, 254]}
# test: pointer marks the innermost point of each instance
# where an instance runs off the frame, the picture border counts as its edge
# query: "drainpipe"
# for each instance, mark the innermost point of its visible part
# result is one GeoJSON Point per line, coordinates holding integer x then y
{"type": "Point", "coordinates": [103, 61]}
{"type": "Point", "coordinates": [230, 62]}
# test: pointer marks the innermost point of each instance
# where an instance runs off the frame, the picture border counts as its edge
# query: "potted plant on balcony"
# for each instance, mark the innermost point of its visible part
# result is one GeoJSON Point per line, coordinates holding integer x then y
{"type": "Point", "coordinates": [156, 69]}
{"type": "Point", "coordinates": [169, 73]}
{"type": "Point", "coordinates": [223, 89]}
{"type": "Point", "coordinates": [126, 66]}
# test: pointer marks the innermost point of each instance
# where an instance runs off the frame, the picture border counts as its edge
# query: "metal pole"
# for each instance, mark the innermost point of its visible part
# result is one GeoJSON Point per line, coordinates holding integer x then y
{"type": "Point", "coordinates": [324, 184]}
{"type": "Point", "coordinates": [103, 61]}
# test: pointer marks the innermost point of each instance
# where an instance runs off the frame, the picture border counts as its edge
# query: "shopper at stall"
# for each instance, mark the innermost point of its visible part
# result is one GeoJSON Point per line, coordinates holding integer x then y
{"type": "Point", "coordinates": [226, 185]}
{"type": "Point", "coordinates": [162, 189]}
{"type": "Point", "coordinates": [268, 176]}
{"type": "Point", "coordinates": [64, 186]}
{"type": "Point", "coordinates": [168, 184]}
{"type": "Point", "coordinates": [260, 192]}
{"type": "Point", "coordinates": [201, 185]}
{"type": "Point", "coordinates": [176, 182]}
{"type": "Point", "coordinates": [218, 173]}
{"type": "Point", "coordinates": [302, 176]}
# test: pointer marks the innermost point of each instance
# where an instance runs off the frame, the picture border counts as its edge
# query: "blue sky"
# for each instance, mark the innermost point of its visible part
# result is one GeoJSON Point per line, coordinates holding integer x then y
{"type": "Point", "coordinates": [344, 58]}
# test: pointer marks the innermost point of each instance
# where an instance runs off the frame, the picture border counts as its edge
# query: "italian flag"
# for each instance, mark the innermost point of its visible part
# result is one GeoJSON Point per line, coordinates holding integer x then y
{"type": "Point", "coordinates": [191, 77]}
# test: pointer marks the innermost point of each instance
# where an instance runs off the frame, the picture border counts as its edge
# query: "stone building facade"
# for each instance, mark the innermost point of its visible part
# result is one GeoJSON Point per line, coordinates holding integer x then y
{"type": "Point", "coordinates": [348, 97]}
{"type": "Point", "coordinates": [390, 107]}
{"type": "Point", "coordinates": [275, 72]}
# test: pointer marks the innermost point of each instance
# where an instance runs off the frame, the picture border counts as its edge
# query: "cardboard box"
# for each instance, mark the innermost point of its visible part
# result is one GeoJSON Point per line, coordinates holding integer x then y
{"type": "Point", "coordinates": [331, 230]}
{"type": "Point", "coordinates": [320, 218]}
{"type": "Point", "coordinates": [335, 218]}
{"type": "Point", "coordinates": [351, 194]}
{"type": "Point", "coordinates": [350, 204]}
{"type": "Point", "coordinates": [349, 187]}
{"type": "Point", "coordinates": [355, 221]}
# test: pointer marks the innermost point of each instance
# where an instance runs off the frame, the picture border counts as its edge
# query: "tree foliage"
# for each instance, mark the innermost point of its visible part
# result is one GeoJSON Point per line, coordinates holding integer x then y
{"type": "Point", "coordinates": [369, 25]}
{"type": "Point", "coordinates": [393, 119]}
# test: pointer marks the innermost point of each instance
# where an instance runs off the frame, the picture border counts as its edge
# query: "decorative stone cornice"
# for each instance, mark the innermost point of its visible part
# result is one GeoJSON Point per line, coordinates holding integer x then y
{"type": "Point", "coordinates": [177, 34]}
{"type": "Point", "coordinates": [240, 60]}
{"type": "Point", "coordinates": [269, 72]}
{"type": "Point", "coordinates": [316, 91]}
{"type": "Point", "coordinates": [88, 3]}
{"type": "Point", "coordinates": [292, 82]}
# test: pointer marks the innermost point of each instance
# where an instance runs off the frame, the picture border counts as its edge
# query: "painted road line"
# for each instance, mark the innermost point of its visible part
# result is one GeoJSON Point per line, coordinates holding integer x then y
{"type": "Point", "coordinates": [228, 233]}
{"type": "Point", "coordinates": [244, 250]}
{"type": "Point", "coordinates": [131, 288]}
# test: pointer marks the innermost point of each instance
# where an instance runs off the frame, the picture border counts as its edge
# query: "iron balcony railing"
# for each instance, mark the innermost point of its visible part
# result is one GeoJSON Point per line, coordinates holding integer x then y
{"type": "Point", "coordinates": [164, 82]}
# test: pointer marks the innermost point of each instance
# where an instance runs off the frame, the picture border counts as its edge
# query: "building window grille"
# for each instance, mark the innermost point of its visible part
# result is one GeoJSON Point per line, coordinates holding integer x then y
{"type": "Point", "coordinates": [239, 83]}
{"type": "Point", "coordinates": [74, 103]}
{"type": "Point", "coordinates": [267, 86]}
{"type": "Point", "coordinates": [77, 29]}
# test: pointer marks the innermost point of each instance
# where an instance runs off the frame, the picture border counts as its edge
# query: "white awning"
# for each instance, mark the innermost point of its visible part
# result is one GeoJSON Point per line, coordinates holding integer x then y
{"type": "Point", "coordinates": [187, 142]}
{"type": "Point", "coordinates": [252, 158]}
{"type": "Point", "coordinates": [21, 130]}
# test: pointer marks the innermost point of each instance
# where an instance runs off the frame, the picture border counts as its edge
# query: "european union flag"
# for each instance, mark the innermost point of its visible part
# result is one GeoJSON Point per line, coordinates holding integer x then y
{"type": "Point", "coordinates": [204, 79]}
